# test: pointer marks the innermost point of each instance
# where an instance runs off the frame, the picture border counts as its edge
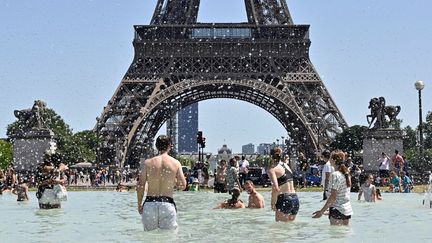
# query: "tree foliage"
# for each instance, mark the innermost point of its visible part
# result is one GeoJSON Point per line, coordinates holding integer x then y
{"type": "Point", "coordinates": [6, 154]}
{"type": "Point", "coordinates": [262, 161]}
{"type": "Point", "coordinates": [427, 131]}
{"type": "Point", "coordinates": [73, 148]}
{"type": "Point", "coordinates": [350, 140]}
{"type": "Point", "coordinates": [185, 161]}
{"type": "Point", "coordinates": [409, 140]}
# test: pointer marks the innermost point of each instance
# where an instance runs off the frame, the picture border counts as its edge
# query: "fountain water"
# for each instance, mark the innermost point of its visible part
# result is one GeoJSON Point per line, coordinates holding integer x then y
{"type": "Point", "coordinates": [428, 194]}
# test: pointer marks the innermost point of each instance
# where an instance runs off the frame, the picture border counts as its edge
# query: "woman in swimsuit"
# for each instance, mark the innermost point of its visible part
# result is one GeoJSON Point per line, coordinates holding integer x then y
{"type": "Point", "coordinates": [284, 200]}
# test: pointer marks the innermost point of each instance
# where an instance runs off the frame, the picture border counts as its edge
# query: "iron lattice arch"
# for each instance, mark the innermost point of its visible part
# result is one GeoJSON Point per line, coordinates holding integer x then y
{"type": "Point", "coordinates": [264, 62]}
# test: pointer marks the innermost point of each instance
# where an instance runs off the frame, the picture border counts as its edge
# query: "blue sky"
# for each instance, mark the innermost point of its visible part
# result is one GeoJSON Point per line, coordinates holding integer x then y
{"type": "Point", "coordinates": [74, 53]}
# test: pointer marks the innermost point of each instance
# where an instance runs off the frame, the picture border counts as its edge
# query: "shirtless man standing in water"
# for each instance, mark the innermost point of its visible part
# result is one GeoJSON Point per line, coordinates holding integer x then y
{"type": "Point", "coordinates": [161, 174]}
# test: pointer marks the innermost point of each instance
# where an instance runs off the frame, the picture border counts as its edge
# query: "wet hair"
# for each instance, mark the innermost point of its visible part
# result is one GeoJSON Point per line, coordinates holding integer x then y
{"type": "Point", "coordinates": [163, 142]}
{"type": "Point", "coordinates": [234, 196]}
{"type": "Point", "coordinates": [339, 157]}
{"type": "Point", "coordinates": [276, 153]}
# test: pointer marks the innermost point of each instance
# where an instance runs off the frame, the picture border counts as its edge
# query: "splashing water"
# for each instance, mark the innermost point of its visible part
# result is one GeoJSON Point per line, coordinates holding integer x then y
{"type": "Point", "coordinates": [428, 194]}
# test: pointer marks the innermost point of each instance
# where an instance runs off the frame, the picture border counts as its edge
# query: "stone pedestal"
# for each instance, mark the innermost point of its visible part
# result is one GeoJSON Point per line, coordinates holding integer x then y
{"type": "Point", "coordinates": [378, 141]}
{"type": "Point", "coordinates": [29, 148]}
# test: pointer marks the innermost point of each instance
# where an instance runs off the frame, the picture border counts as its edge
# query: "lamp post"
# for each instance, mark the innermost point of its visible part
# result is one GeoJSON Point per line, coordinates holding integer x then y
{"type": "Point", "coordinates": [419, 85]}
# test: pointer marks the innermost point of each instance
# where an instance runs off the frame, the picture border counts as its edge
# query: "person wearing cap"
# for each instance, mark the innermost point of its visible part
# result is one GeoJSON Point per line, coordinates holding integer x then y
{"type": "Point", "coordinates": [327, 170]}
{"type": "Point", "coordinates": [284, 200]}
{"type": "Point", "coordinates": [234, 202]}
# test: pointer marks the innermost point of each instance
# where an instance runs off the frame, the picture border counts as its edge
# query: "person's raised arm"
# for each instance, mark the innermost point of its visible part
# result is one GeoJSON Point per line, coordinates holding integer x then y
{"type": "Point", "coordinates": [141, 188]}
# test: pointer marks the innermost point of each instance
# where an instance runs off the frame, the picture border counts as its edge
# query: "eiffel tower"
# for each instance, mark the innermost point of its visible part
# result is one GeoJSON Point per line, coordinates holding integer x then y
{"type": "Point", "coordinates": [179, 61]}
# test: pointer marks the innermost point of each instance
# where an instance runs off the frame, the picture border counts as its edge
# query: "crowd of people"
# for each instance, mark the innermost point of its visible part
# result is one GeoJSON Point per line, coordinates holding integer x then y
{"type": "Point", "coordinates": [52, 176]}
{"type": "Point", "coordinates": [162, 174]}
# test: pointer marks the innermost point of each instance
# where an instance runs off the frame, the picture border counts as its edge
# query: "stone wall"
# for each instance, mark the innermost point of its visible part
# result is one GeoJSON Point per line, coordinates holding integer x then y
{"type": "Point", "coordinates": [29, 149]}
{"type": "Point", "coordinates": [378, 141]}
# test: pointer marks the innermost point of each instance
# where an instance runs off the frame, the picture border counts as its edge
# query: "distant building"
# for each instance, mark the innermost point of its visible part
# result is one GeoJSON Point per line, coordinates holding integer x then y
{"type": "Point", "coordinates": [248, 149]}
{"type": "Point", "coordinates": [264, 148]}
{"type": "Point", "coordinates": [224, 153]}
{"type": "Point", "coordinates": [187, 129]}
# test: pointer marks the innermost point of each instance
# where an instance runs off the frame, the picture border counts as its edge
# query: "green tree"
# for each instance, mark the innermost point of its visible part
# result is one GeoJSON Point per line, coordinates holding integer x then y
{"type": "Point", "coordinates": [54, 122]}
{"type": "Point", "coordinates": [350, 140]}
{"type": "Point", "coordinates": [80, 147]}
{"type": "Point", "coordinates": [185, 161]}
{"type": "Point", "coordinates": [409, 140]}
{"type": "Point", "coordinates": [262, 161]}
{"type": "Point", "coordinates": [6, 154]}
{"type": "Point", "coordinates": [427, 131]}
{"type": "Point", "coordinates": [71, 147]}
{"type": "Point", "coordinates": [87, 141]}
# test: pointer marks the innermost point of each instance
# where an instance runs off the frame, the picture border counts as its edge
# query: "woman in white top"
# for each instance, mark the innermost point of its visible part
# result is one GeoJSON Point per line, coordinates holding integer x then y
{"type": "Point", "coordinates": [384, 165]}
{"type": "Point", "coordinates": [339, 201]}
{"type": "Point", "coordinates": [368, 190]}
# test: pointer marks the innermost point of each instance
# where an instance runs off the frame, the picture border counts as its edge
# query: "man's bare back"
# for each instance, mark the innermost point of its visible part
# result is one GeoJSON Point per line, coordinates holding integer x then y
{"type": "Point", "coordinates": [161, 173]}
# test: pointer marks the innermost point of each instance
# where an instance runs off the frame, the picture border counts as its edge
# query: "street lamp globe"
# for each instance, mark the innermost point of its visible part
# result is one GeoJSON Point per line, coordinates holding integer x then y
{"type": "Point", "coordinates": [419, 85]}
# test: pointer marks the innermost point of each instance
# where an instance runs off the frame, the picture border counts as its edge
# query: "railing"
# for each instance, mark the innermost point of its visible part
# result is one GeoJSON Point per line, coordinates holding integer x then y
{"type": "Point", "coordinates": [221, 31]}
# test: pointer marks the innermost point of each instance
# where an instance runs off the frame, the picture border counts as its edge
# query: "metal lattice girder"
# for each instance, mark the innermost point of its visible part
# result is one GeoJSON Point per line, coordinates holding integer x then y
{"type": "Point", "coordinates": [268, 12]}
{"type": "Point", "coordinates": [265, 62]}
{"type": "Point", "coordinates": [176, 12]}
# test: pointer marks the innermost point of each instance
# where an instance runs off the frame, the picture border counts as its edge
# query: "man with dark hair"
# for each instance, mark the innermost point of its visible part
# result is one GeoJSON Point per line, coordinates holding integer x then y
{"type": "Point", "coordinates": [398, 161]}
{"type": "Point", "coordinates": [160, 174]}
{"type": "Point", "coordinates": [327, 170]}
